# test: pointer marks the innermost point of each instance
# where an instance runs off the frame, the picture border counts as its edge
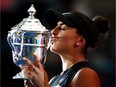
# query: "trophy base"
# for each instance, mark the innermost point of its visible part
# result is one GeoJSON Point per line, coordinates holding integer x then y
{"type": "Point", "coordinates": [20, 75]}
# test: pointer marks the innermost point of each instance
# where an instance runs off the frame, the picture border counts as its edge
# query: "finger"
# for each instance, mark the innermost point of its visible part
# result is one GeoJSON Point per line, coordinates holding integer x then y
{"type": "Point", "coordinates": [37, 61]}
{"type": "Point", "coordinates": [28, 62]}
{"type": "Point", "coordinates": [29, 74]}
{"type": "Point", "coordinates": [22, 66]}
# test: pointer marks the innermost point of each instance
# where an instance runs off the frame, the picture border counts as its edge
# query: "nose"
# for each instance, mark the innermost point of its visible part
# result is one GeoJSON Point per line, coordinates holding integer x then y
{"type": "Point", "coordinates": [55, 31]}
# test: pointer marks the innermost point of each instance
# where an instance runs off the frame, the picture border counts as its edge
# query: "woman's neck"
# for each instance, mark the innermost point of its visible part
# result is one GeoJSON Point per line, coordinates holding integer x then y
{"type": "Point", "coordinates": [69, 60]}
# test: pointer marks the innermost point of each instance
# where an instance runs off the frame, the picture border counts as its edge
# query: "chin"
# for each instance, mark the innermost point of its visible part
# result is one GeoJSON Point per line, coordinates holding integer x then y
{"type": "Point", "coordinates": [54, 50]}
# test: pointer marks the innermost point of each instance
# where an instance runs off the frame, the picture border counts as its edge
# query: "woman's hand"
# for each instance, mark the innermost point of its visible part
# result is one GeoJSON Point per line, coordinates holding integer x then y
{"type": "Point", "coordinates": [35, 72]}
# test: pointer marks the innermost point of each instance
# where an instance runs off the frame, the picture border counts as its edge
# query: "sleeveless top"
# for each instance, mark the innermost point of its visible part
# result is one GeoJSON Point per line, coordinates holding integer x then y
{"type": "Point", "coordinates": [63, 79]}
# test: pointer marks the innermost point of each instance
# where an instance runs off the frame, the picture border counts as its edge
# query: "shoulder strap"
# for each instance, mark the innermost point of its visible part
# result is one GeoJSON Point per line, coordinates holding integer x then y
{"type": "Point", "coordinates": [51, 82]}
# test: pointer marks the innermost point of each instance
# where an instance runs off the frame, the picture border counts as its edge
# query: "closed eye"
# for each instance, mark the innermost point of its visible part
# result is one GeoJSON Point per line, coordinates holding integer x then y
{"type": "Point", "coordinates": [60, 23]}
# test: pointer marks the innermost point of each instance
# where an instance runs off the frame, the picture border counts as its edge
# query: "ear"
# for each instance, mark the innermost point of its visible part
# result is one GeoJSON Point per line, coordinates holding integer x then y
{"type": "Point", "coordinates": [81, 42]}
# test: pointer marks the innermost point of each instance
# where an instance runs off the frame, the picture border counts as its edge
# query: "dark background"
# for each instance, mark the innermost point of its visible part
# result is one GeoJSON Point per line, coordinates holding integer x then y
{"type": "Point", "coordinates": [102, 59]}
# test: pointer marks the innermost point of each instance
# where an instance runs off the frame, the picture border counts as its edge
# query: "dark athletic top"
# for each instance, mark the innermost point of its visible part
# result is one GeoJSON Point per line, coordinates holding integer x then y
{"type": "Point", "coordinates": [64, 78]}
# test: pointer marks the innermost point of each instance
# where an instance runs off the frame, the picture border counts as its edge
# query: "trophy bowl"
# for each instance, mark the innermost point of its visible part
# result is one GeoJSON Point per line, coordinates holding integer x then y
{"type": "Point", "coordinates": [26, 38]}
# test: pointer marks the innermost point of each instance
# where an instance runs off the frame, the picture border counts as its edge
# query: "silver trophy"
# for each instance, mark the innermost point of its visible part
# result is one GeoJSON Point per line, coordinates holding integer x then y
{"type": "Point", "coordinates": [26, 38]}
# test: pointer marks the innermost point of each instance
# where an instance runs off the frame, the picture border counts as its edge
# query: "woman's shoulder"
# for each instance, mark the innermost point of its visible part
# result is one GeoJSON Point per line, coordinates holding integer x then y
{"type": "Point", "coordinates": [85, 77]}
{"type": "Point", "coordinates": [86, 71]}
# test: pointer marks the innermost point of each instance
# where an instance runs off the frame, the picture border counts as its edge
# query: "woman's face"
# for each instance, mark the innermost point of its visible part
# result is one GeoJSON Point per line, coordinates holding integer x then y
{"type": "Point", "coordinates": [64, 38]}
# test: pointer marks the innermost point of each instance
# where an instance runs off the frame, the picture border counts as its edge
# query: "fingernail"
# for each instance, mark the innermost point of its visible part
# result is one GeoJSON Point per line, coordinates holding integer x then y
{"type": "Point", "coordinates": [25, 59]}
{"type": "Point", "coordinates": [20, 66]}
{"type": "Point", "coordinates": [34, 54]}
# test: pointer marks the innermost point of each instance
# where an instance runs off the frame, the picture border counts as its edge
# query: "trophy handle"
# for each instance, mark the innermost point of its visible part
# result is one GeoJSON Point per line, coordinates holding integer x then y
{"type": "Point", "coordinates": [9, 40]}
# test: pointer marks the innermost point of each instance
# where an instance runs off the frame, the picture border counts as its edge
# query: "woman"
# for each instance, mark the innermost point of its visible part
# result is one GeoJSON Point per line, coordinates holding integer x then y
{"type": "Point", "coordinates": [72, 34]}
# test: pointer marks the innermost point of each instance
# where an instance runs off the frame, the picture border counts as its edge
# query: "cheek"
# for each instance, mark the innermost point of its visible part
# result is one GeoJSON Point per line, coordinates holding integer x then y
{"type": "Point", "coordinates": [65, 42]}
{"type": "Point", "coordinates": [58, 46]}
{"type": "Point", "coordinates": [62, 46]}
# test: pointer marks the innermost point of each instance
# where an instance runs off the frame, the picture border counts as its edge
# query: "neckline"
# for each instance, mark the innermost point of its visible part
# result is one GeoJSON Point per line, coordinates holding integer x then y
{"type": "Point", "coordinates": [74, 65]}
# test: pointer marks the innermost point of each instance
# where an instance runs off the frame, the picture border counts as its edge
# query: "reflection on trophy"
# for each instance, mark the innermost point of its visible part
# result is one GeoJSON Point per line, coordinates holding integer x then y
{"type": "Point", "coordinates": [26, 38]}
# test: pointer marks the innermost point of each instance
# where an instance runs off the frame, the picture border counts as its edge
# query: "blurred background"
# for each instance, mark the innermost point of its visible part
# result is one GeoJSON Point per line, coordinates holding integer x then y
{"type": "Point", "coordinates": [102, 59]}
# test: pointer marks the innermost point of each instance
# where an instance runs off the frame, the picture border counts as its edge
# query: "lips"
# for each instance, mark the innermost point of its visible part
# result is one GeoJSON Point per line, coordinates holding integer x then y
{"type": "Point", "coordinates": [54, 39]}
